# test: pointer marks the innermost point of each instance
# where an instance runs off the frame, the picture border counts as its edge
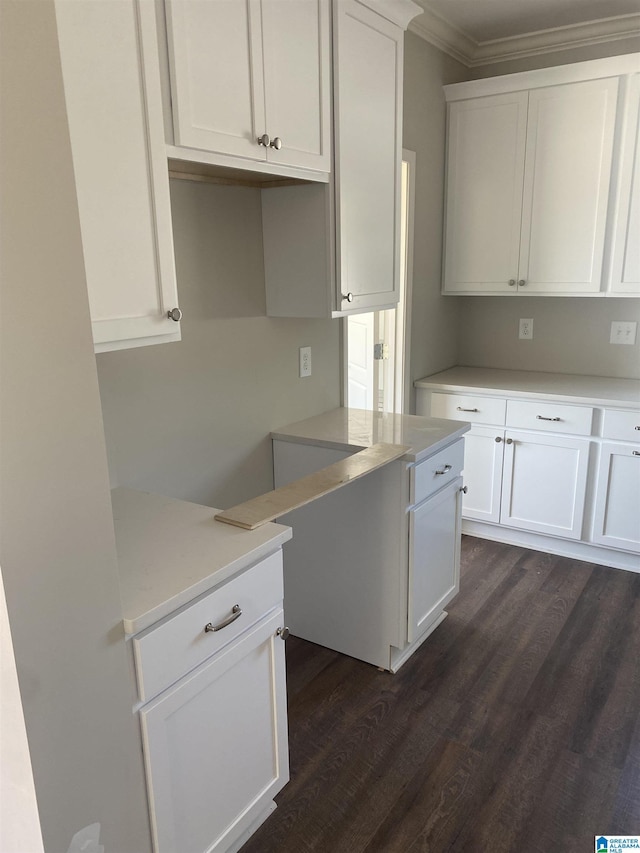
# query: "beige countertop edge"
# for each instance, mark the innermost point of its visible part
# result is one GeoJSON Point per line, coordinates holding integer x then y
{"type": "Point", "coordinates": [411, 456]}
{"type": "Point", "coordinates": [285, 499]}
{"type": "Point", "coordinates": [546, 390]}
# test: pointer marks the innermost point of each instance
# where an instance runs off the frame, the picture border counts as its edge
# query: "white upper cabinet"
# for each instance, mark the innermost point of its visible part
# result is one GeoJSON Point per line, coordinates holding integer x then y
{"type": "Point", "coordinates": [484, 192]}
{"type": "Point", "coordinates": [529, 171]}
{"type": "Point", "coordinates": [566, 186]}
{"type": "Point", "coordinates": [624, 276]}
{"type": "Point", "coordinates": [251, 79]}
{"type": "Point", "coordinates": [115, 124]}
{"type": "Point", "coordinates": [335, 250]}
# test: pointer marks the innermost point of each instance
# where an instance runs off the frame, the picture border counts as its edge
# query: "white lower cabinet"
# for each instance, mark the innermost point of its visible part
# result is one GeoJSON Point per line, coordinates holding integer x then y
{"type": "Point", "coordinates": [215, 741]}
{"type": "Point", "coordinates": [617, 504]}
{"type": "Point", "coordinates": [544, 482]}
{"type": "Point", "coordinates": [434, 557]}
{"type": "Point", "coordinates": [547, 473]}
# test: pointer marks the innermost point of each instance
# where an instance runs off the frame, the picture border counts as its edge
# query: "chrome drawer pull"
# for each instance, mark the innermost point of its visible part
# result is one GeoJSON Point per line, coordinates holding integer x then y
{"type": "Point", "coordinates": [636, 452]}
{"type": "Point", "coordinates": [638, 427]}
{"type": "Point", "coordinates": [443, 470]}
{"type": "Point", "coordinates": [542, 418]}
{"type": "Point", "coordinates": [236, 613]}
{"type": "Point", "coordinates": [460, 409]}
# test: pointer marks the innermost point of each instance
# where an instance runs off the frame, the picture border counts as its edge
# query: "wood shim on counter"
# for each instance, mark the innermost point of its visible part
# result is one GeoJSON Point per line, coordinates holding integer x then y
{"type": "Point", "coordinates": [280, 501]}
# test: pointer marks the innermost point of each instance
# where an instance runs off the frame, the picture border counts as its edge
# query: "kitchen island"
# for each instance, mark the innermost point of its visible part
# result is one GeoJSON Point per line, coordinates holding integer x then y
{"type": "Point", "coordinates": [373, 565]}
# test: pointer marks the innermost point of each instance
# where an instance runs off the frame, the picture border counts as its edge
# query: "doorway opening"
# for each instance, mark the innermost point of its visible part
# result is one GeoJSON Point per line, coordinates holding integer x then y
{"type": "Point", "coordinates": [377, 344]}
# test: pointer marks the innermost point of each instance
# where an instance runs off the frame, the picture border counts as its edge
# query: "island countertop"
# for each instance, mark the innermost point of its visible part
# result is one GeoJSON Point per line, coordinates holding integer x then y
{"type": "Point", "coordinates": [351, 429]}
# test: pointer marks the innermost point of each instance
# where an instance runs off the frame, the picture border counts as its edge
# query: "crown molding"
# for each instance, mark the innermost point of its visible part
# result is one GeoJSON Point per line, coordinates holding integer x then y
{"type": "Point", "coordinates": [454, 42]}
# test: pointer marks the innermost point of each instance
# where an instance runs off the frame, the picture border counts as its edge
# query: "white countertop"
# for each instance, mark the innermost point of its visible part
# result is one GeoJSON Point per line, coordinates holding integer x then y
{"type": "Point", "coordinates": [171, 551]}
{"type": "Point", "coordinates": [594, 390]}
{"type": "Point", "coordinates": [354, 429]}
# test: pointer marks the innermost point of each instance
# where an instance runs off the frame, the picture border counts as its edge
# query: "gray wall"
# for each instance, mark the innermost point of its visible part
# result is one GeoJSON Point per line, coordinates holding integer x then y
{"type": "Point", "coordinates": [57, 550]}
{"type": "Point", "coordinates": [571, 335]}
{"type": "Point", "coordinates": [434, 318]}
{"type": "Point", "coordinates": [192, 419]}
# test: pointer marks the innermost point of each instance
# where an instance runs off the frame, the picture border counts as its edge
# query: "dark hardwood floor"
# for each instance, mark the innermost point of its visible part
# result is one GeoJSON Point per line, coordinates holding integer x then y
{"type": "Point", "coordinates": [515, 727]}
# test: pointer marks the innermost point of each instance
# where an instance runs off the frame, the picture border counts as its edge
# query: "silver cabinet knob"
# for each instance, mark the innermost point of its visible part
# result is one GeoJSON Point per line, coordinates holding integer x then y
{"type": "Point", "coordinates": [512, 282]}
{"type": "Point", "coordinates": [283, 633]}
{"type": "Point", "coordinates": [521, 282]}
{"type": "Point", "coordinates": [509, 441]}
{"type": "Point", "coordinates": [498, 439]}
{"type": "Point", "coordinates": [265, 140]}
{"type": "Point", "coordinates": [464, 489]}
{"type": "Point", "coordinates": [175, 314]}
{"type": "Point", "coordinates": [347, 297]}
{"type": "Point", "coordinates": [276, 143]}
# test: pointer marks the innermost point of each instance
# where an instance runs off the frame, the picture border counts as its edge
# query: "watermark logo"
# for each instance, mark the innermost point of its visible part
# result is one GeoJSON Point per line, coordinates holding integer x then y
{"type": "Point", "coordinates": [616, 843]}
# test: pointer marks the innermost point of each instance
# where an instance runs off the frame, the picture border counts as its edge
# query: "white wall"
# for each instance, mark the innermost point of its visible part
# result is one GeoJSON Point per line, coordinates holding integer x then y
{"type": "Point", "coordinates": [57, 549]}
{"type": "Point", "coordinates": [434, 318]}
{"type": "Point", "coordinates": [571, 335]}
{"type": "Point", "coordinates": [192, 419]}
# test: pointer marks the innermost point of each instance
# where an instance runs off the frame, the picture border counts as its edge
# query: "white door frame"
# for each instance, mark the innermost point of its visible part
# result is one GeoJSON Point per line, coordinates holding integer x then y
{"type": "Point", "coordinates": [402, 384]}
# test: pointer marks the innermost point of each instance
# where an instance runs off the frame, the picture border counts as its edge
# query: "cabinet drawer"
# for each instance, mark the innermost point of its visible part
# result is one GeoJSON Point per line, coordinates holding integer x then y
{"type": "Point", "coordinates": [463, 407]}
{"type": "Point", "coordinates": [164, 653]}
{"type": "Point", "coordinates": [436, 471]}
{"type": "Point", "coordinates": [551, 417]}
{"type": "Point", "coordinates": [624, 426]}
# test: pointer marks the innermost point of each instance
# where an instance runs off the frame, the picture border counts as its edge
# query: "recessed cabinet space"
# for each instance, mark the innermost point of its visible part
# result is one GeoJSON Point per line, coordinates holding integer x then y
{"type": "Point", "coordinates": [250, 81]}
{"type": "Point", "coordinates": [114, 113]}
{"type": "Point", "coordinates": [624, 275]}
{"type": "Point", "coordinates": [529, 170]}
{"type": "Point", "coordinates": [335, 250]}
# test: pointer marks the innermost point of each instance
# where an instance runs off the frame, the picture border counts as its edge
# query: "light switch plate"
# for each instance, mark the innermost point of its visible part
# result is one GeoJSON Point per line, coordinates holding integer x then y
{"type": "Point", "coordinates": [623, 333]}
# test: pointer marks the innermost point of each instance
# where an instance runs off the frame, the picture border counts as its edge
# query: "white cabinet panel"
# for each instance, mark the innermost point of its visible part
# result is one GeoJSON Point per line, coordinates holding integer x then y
{"type": "Point", "coordinates": [567, 174]}
{"type": "Point", "coordinates": [550, 417]}
{"type": "Point", "coordinates": [474, 409]}
{"type": "Point", "coordinates": [625, 261]}
{"type": "Point", "coordinates": [617, 508]}
{"type": "Point", "coordinates": [484, 193]}
{"type": "Point", "coordinates": [216, 745]}
{"type": "Point", "coordinates": [434, 558]}
{"type": "Point", "coordinates": [621, 425]}
{"type": "Point", "coordinates": [483, 457]}
{"type": "Point", "coordinates": [544, 483]}
{"type": "Point", "coordinates": [216, 72]}
{"type": "Point", "coordinates": [115, 124]}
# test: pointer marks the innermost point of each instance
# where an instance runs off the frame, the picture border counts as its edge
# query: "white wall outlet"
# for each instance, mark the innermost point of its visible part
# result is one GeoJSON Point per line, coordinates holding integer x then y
{"type": "Point", "coordinates": [623, 333]}
{"type": "Point", "coordinates": [305, 361]}
{"type": "Point", "coordinates": [526, 330]}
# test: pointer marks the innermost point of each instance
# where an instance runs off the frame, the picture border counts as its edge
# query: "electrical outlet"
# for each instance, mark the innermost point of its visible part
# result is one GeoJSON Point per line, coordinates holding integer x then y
{"type": "Point", "coordinates": [305, 361]}
{"type": "Point", "coordinates": [526, 330]}
{"type": "Point", "coordinates": [623, 333]}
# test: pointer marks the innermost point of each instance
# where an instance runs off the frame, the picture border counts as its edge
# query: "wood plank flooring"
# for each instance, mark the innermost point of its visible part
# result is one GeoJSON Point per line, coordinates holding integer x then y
{"type": "Point", "coordinates": [515, 728]}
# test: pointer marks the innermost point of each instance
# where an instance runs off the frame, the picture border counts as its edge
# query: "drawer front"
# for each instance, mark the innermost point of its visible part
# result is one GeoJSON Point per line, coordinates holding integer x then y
{"type": "Point", "coordinates": [623, 426]}
{"type": "Point", "coordinates": [436, 471]}
{"type": "Point", "coordinates": [463, 407]}
{"type": "Point", "coordinates": [550, 417]}
{"type": "Point", "coordinates": [166, 652]}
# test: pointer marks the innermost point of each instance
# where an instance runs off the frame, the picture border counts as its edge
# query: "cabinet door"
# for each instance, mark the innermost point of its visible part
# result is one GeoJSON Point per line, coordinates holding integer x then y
{"type": "Point", "coordinates": [485, 167]}
{"type": "Point", "coordinates": [297, 78]}
{"type": "Point", "coordinates": [625, 261]}
{"type": "Point", "coordinates": [115, 124]}
{"type": "Point", "coordinates": [617, 507]}
{"type": "Point", "coordinates": [544, 483]}
{"type": "Point", "coordinates": [483, 456]}
{"type": "Point", "coordinates": [216, 745]}
{"type": "Point", "coordinates": [216, 71]}
{"type": "Point", "coordinates": [368, 52]}
{"type": "Point", "coordinates": [566, 187]}
{"type": "Point", "coordinates": [434, 557]}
